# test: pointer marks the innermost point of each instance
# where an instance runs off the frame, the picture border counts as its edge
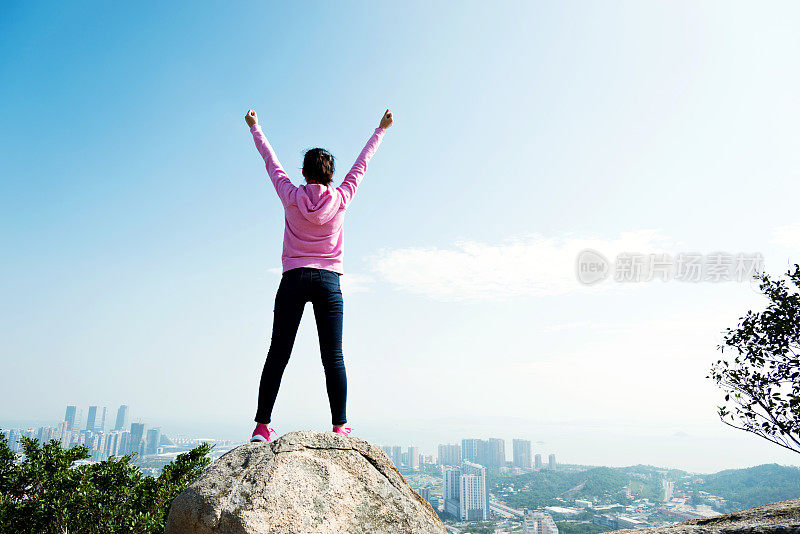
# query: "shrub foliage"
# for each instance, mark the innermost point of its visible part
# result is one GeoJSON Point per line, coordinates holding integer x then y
{"type": "Point", "coordinates": [47, 493]}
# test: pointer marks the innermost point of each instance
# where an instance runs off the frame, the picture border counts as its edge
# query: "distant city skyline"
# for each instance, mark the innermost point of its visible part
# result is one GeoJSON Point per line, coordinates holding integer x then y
{"type": "Point", "coordinates": [428, 440]}
{"type": "Point", "coordinates": [488, 452]}
{"type": "Point", "coordinates": [135, 438]}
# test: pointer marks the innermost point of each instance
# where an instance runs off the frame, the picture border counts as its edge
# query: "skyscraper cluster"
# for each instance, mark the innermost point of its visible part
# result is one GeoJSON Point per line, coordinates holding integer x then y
{"type": "Point", "coordinates": [466, 494]}
{"type": "Point", "coordinates": [95, 421]}
{"type": "Point", "coordinates": [449, 454]}
{"type": "Point", "coordinates": [124, 438]}
{"type": "Point", "coordinates": [491, 453]}
{"type": "Point", "coordinates": [488, 453]}
{"type": "Point", "coordinates": [410, 458]}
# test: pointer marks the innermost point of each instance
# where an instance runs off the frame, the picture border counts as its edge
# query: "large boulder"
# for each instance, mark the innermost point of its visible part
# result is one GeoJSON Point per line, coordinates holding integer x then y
{"type": "Point", "coordinates": [776, 518]}
{"type": "Point", "coordinates": [304, 482]}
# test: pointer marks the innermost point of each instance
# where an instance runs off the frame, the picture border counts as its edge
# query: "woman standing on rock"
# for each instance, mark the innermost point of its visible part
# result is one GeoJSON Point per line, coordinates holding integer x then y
{"type": "Point", "coordinates": [312, 264]}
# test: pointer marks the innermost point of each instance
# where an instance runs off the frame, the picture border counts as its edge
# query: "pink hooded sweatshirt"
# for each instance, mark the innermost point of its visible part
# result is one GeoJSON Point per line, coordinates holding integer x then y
{"type": "Point", "coordinates": [313, 236]}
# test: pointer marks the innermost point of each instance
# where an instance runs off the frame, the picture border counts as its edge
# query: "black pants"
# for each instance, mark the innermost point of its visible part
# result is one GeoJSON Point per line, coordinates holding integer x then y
{"type": "Point", "coordinates": [297, 287]}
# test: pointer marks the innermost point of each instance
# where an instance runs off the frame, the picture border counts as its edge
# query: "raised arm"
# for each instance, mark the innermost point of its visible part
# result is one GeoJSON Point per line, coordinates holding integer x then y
{"type": "Point", "coordinates": [359, 168]}
{"type": "Point", "coordinates": [283, 186]}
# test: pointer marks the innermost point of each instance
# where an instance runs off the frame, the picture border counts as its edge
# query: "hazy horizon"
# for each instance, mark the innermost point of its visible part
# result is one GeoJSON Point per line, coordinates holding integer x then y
{"type": "Point", "coordinates": [567, 440]}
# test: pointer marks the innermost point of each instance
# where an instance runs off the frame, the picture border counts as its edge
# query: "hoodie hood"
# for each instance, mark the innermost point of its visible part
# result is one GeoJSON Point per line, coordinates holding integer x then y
{"type": "Point", "coordinates": [318, 203]}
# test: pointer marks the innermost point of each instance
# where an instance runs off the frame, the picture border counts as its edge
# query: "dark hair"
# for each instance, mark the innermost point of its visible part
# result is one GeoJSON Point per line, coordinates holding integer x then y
{"type": "Point", "coordinates": [318, 166]}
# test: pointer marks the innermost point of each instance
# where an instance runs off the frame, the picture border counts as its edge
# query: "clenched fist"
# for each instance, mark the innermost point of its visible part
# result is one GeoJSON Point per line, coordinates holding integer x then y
{"type": "Point", "coordinates": [386, 120]}
{"type": "Point", "coordinates": [251, 118]}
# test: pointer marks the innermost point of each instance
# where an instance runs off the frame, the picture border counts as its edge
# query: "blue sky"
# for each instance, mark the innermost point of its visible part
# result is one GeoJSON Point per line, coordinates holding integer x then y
{"type": "Point", "coordinates": [142, 237]}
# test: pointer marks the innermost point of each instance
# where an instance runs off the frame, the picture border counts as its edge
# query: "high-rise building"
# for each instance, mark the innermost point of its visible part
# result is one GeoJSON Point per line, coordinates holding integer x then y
{"type": "Point", "coordinates": [123, 418]}
{"type": "Point", "coordinates": [449, 454]}
{"type": "Point", "coordinates": [450, 494]}
{"type": "Point", "coordinates": [474, 493]}
{"type": "Point", "coordinates": [551, 461]}
{"type": "Point", "coordinates": [13, 438]}
{"type": "Point", "coordinates": [137, 437]}
{"type": "Point", "coordinates": [91, 418]}
{"type": "Point", "coordinates": [41, 434]}
{"type": "Point", "coordinates": [537, 461]}
{"type": "Point", "coordinates": [522, 453]}
{"type": "Point", "coordinates": [65, 437]}
{"type": "Point", "coordinates": [92, 440]}
{"type": "Point", "coordinates": [101, 423]}
{"type": "Point", "coordinates": [413, 457]}
{"type": "Point", "coordinates": [113, 443]}
{"type": "Point", "coordinates": [465, 492]}
{"type": "Point", "coordinates": [124, 443]}
{"type": "Point", "coordinates": [669, 487]}
{"type": "Point", "coordinates": [98, 451]}
{"type": "Point", "coordinates": [153, 439]}
{"type": "Point", "coordinates": [397, 455]}
{"type": "Point", "coordinates": [495, 453]}
{"type": "Point", "coordinates": [470, 449]}
{"type": "Point", "coordinates": [488, 453]}
{"type": "Point", "coordinates": [538, 523]}
{"type": "Point", "coordinates": [69, 417]}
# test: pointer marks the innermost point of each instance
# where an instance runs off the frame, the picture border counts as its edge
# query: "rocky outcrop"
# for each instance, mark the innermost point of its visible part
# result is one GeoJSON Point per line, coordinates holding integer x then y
{"type": "Point", "coordinates": [776, 518]}
{"type": "Point", "coordinates": [304, 482]}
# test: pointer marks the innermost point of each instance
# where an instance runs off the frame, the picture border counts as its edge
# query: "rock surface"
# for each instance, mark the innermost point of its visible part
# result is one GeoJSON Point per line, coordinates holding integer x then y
{"type": "Point", "coordinates": [776, 518]}
{"type": "Point", "coordinates": [304, 482]}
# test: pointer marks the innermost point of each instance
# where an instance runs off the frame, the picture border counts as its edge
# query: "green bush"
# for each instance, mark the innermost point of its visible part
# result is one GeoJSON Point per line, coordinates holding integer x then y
{"type": "Point", "coordinates": [46, 493]}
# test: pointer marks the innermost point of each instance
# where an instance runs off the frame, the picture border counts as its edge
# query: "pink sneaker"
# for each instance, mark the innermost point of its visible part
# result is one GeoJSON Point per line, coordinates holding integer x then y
{"type": "Point", "coordinates": [342, 430]}
{"type": "Point", "coordinates": [262, 433]}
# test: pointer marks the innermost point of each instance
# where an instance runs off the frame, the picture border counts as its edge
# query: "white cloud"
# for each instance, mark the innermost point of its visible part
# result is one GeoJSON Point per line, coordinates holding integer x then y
{"type": "Point", "coordinates": [527, 266]}
{"type": "Point", "coordinates": [355, 283]}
